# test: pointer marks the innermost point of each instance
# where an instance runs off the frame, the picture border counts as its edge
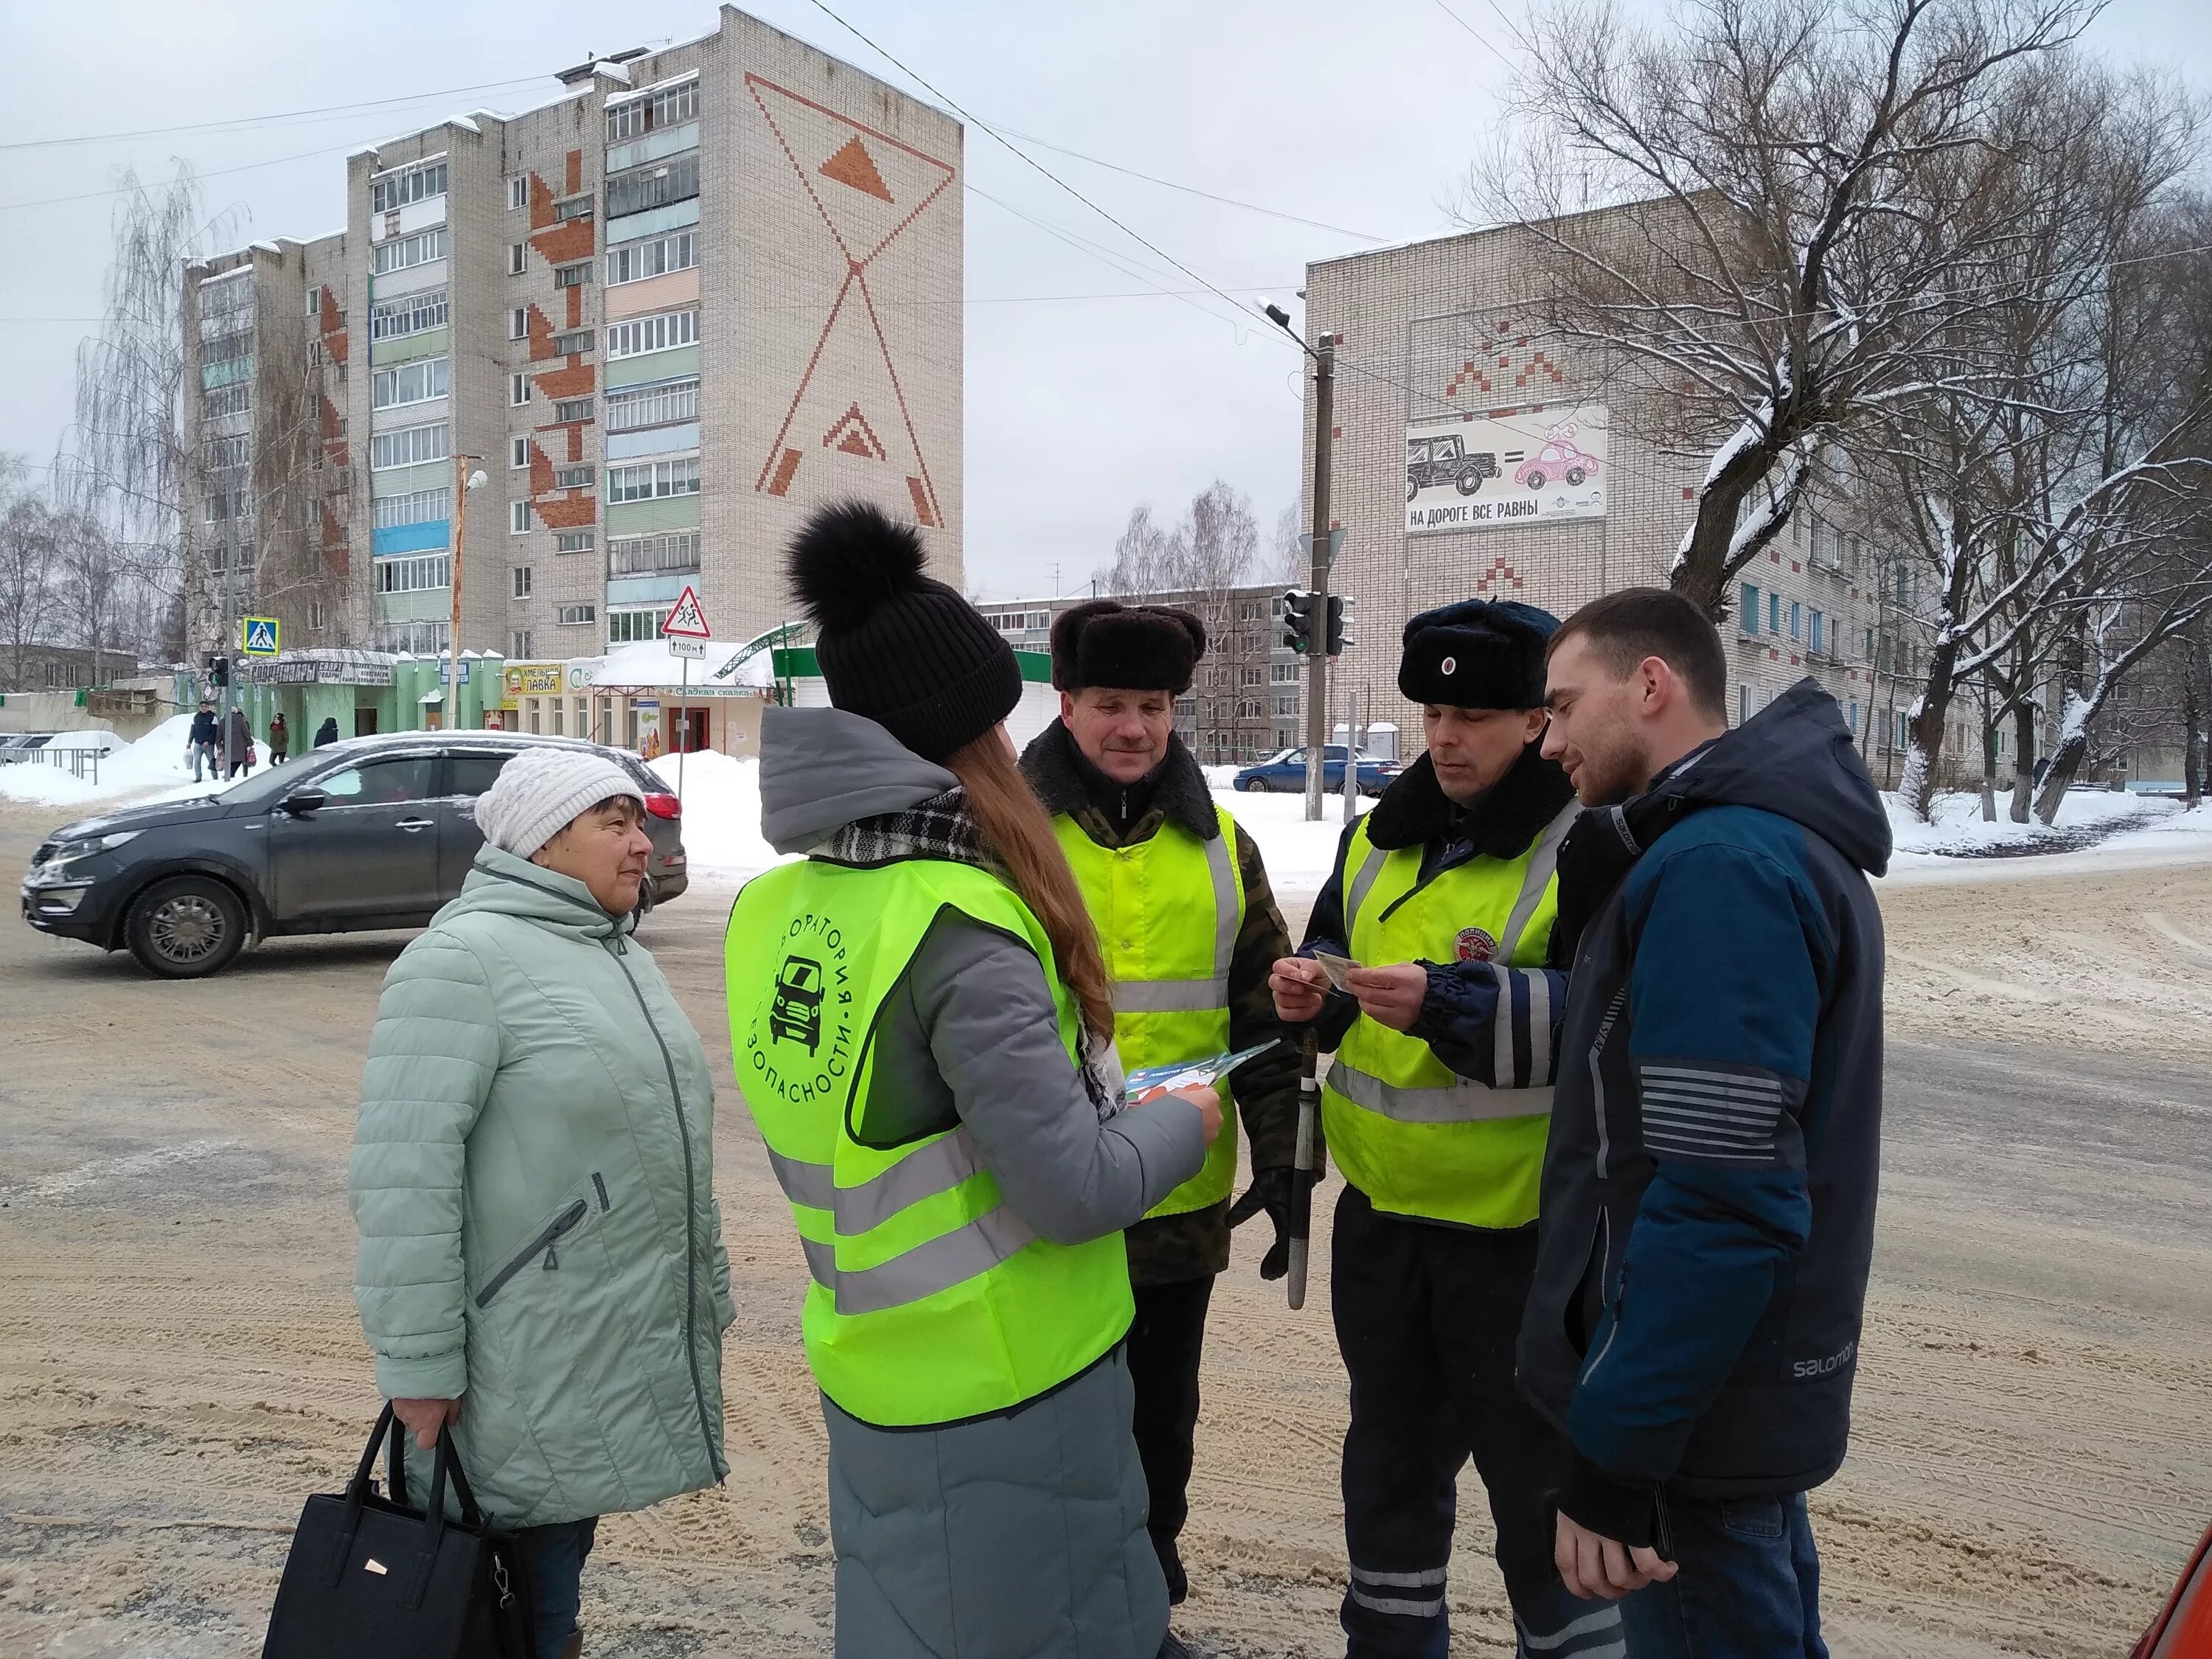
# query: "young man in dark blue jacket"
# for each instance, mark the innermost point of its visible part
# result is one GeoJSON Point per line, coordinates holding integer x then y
{"type": "Point", "coordinates": [1709, 1184]}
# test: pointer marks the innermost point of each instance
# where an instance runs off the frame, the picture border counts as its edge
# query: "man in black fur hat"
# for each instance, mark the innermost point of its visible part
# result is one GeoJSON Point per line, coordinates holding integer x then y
{"type": "Point", "coordinates": [1190, 933]}
{"type": "Point", "coordinates": [1435, 1112]}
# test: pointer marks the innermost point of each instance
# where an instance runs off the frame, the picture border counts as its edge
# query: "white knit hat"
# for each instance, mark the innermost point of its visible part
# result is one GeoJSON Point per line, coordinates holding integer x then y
{"type": "Point", "coordinates": [539, 791]}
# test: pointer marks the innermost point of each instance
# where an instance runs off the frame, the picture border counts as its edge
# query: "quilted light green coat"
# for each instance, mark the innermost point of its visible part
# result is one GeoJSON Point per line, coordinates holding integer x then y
{"type": "Point", "coordinates": [532, 1182]}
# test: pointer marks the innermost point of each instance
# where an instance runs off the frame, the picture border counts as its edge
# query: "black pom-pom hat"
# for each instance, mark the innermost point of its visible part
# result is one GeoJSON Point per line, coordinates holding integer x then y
{"type": "Point", "coordinates": [894, 645]}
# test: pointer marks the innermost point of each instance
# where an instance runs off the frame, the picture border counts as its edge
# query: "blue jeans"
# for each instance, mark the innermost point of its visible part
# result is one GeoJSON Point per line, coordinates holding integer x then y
{"type": "Point", "coordinates": [1749, 1586]}
{"type": "Point", "coordinates": [555, 1554]}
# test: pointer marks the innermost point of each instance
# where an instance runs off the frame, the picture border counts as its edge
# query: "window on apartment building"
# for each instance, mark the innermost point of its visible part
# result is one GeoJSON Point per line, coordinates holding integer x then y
{"type": "Point", "coordinates": [655, 184]}
{"type": "Point", "coordinates": [415, 575]}
{"type": "Point", "coordinates": [575, 541]}
{"type": "Point", "coordinates": [417, 507]}
{"type": "Point", "coordinates": [671, 107]}
{"type": "Point", "coordinates": [522, 581]}
{"type": "Point", "coordinates": [572, 477]}
{"type": "Point", "coordinates": [518, 322]}
{"type": "Point", "coordinates": [518, 452]}
{"type": "Point", "coordinates": [1818, 638]}
{"type": "Point", "coordinates": [574, 276]}
{"type": "Point", "coordinates": [1747, 611]}
{"type": "Point", "coordinates": [657, 556]}
{"type": "Point", "coordinates": [223, 453]}
{"type": "Point", "coordinates": [661, 332]}
{"type": "Point", "coordinates": [317, 617]}
{"type": "Point", "coordinates": [409, 446]}
{"type": "Point", "coordinates": [650, 480]}
{"type": "Point", "coordinates": [667, 404]}
{"type": "Point", "coordinates": [517, 518]}
{"type": "Point", "coordinates": [629, 627]}
{"type": "Point", "coordinates": [1742, 704]}
{"type": "Point", "coordinates": [518, 257]}
{"type": "Point", "coordinates": [518, 390]}
{"type": "Point", "coordinates": [576, 341]}
{"type": "Point", "coordinates": [401, 253]}
{"type": "Point", "coordinates": [517, 191]}
{"type": "Point", "coordinates": [573, 409]}
{"type": "Point", "coordinates": [408, 383]}
{"type": "Point", "coordinates": [1248, 675]}
{"type": "Point", "coordinates": [518, 645]}
{"type": "Point", "coordinates": [422, 639]}
{"type": "Point", "coordinates": [576, 616]}
{"type": "Point", "coordinates": [417, 184]}
{"type": "Point", "coordinates": [1796, 620]}
{"type": "Point", "coordinates": [227, 400]}
{"type": "Point", "coordinates": [656, 256]}
{"type": "Point", "coordinates": [576, 207]}
{"type": "Point", "coordinates": [1774, 613]}
{"type": "Point", "coordinates": [314, 298]}
{"type": "Point", "coordinates": [1283, 673]}
{"type": "Point", "coordinates": [412, 314]}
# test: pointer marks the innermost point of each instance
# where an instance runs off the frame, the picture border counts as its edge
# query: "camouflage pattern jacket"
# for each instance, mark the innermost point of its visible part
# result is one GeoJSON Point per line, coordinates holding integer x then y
{"type": "Point", "coordinates": [1168, 1249]}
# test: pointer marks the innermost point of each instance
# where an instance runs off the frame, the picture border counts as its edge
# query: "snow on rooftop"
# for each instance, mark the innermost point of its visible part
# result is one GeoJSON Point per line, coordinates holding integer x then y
{"type": "Point", "coordinates": [648, 91]}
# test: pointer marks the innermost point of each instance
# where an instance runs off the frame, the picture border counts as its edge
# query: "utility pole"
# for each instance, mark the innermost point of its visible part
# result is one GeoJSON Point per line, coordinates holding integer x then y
{"type": "Point", "coordinates": [462, 484]}
{"type": "Point", "coordinates": [1323, 353]}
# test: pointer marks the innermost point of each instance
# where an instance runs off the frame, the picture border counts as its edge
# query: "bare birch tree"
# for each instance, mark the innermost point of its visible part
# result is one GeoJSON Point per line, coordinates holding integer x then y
{"type": "Point", "coordinates": [30, 588]}
{"type": "Point", "coordinates": [1800, 243]}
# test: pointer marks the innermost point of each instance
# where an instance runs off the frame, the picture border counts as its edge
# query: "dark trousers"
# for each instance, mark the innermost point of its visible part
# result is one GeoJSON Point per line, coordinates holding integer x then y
{"type": "Point", "coordinates": [1164, 1344]}
{"type": "Point", "coordinates": [1748, 1587]}
{"type": "Point", "coordinates": [1426, 1318]}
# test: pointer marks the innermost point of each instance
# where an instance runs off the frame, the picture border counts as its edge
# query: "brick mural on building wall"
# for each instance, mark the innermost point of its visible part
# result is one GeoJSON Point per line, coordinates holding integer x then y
{"type": "Point", "coordinates": [849, 407]}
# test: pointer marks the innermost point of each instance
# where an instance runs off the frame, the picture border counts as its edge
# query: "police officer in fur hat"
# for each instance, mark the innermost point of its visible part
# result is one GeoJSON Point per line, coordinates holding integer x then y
{"type": "Point", "coordinates": [1191, 934]}
{"type": "Point", "coordinates": [1435, 1112]}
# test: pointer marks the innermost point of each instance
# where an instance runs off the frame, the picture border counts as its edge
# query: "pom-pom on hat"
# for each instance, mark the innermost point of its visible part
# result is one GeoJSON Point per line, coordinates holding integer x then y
{"type": "Point", "coordinates": [894, 645]}
{"type": "Point", "coordinates": [1479, 654]}
{"type": "Point", "coordinates": [1130, 648]}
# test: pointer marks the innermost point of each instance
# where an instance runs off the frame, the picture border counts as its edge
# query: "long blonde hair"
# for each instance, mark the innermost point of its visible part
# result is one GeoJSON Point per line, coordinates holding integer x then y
{"type": "Point", "coordinates": [1014, 823]}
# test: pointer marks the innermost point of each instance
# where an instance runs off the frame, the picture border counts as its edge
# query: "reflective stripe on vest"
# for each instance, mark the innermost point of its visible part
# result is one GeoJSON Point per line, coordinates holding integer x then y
{"type": "Point", "coordinates": [1152, 900]}
{"type": "Point", "coordinates": [932, 1300]}
{"type": "Point", "coordinates": [1415, 1137]}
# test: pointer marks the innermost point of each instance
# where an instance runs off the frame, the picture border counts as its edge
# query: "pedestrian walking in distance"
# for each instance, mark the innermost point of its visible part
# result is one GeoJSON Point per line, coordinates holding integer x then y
{"type": "Point", "coordinates": [1190, 933]}
{"type": "Point", "coordinates": [541, 1260]}
{"type": "Point", "coordinates": [1709, 1189]}
{"type": "Point", "coordinates": [280, 741]}
{"type": "Point", "coordinates": [327, 732]}
{"type": "Point", "coordinates": [923, 1030]}
{"type": "Point", "coordinates": [206, 732]}
{"type": "Point", "coordinates": [238, 743]}
{"type": "Point", "coordinates": [1435, 1112]}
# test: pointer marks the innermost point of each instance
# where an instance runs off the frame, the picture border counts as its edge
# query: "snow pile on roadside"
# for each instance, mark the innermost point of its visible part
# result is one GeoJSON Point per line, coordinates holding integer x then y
{"type": "Point", "coordinates": [2086, 817]}
{"type": "Point", "coordinates": [1299, 855]}
{"type": "Point", "coordinates": [721, 814]}
{"type": "Point", "coordinates": [156, 761]}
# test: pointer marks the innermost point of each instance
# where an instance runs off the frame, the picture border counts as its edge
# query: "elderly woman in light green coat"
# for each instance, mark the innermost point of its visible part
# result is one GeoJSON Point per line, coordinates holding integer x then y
{"type": "Point", "coordinates": [541, 1261]}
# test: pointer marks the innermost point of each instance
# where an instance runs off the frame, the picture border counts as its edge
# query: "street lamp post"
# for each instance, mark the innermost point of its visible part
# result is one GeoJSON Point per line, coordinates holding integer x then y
{"type": "Point", "coordinates": [1323, 353]}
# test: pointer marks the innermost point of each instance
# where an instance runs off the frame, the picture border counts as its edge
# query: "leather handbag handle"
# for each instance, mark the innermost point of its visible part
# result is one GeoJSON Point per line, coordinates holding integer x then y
{"type": "Point", "coordinates": [356, 1490]}
{"type": "Point", "coordinates": [446, 1462]}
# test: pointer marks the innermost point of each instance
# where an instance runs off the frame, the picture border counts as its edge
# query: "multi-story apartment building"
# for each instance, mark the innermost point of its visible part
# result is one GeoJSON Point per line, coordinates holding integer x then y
{"type": "Point", "coordinates": [1246, 700]}
{"type": "Point", "coordinates": [1474, 458]}
{"type": "Point", "coordinates": [657, 320]}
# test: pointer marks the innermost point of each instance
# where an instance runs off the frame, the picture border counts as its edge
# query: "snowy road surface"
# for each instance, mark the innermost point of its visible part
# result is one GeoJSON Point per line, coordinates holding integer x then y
{"type": "Point", "coordinates": [179, 1363]}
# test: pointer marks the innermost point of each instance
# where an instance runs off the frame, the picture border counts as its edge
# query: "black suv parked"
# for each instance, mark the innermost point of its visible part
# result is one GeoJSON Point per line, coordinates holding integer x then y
{"type": "Point", "coordinates": [376, 832]}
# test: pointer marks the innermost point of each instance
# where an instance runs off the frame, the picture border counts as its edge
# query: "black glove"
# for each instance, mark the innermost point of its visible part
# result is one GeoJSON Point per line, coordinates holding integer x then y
{"type": "Point", "coordinates": [1271, 1190]}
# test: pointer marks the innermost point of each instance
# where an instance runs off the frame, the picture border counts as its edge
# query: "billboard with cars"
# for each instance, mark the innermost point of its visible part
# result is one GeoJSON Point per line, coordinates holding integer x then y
{"type": "Point", "coordinates": [1505, 466]}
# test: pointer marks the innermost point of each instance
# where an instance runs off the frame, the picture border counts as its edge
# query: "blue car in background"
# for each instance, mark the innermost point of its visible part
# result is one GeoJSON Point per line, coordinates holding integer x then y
{"type": "Point", "coordinates": [1285, 773]}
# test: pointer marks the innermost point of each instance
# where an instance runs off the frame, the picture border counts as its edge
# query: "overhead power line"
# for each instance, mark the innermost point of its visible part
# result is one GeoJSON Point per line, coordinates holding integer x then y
{"type": "Point", "coordinates": [283, 115]}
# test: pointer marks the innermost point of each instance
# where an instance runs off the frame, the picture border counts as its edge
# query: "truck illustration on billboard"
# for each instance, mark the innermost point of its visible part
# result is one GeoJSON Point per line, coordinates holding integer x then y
{"type": "Point", "coordinates": [1442, 459]}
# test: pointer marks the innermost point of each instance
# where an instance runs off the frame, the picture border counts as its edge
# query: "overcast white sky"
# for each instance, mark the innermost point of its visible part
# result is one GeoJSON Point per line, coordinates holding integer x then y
{"type": "Point", "coordinates": [1360, 117]}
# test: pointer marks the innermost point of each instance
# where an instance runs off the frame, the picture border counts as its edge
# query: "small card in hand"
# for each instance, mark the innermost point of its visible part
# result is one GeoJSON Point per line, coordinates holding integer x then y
{"type": "Point", "coordinates": [1150, 1082]}
{"type": "Point", "coordinates": [1336, 967]}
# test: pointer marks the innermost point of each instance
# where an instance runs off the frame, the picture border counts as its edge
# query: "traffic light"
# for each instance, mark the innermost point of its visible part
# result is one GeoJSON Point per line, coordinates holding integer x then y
{"type": "Point", "coordinates": [218, 672]}
{"type": "Point", "coordinates": [1300, 607]}
{"type": "Point", "coordinates": [1338, 604]}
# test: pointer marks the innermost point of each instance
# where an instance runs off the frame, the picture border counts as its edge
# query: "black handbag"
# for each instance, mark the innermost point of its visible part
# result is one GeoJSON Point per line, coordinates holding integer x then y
{"type": "Point", "coordinates": [369, 1577]}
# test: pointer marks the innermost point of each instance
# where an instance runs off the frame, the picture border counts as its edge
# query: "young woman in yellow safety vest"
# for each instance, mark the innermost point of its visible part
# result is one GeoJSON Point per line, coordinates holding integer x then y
{"type": "Point", "coordinates": [922, 1027]}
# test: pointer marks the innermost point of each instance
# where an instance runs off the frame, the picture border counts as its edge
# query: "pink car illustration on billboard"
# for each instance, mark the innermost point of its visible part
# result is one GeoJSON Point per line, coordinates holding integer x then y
{"type": "Point", "coordinates": [1558, 458]}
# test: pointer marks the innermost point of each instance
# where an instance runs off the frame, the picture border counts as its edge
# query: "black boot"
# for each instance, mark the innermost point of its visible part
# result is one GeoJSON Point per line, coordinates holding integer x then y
{"type": "Point", "coordinates": [1172, 1649]}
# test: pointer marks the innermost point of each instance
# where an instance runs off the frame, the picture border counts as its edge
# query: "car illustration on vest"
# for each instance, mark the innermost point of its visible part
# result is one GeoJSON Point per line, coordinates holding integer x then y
{"type": "Point", "coordinates": [1442, 459]}
{"type": "Point", "coordinates": [796, 1013]}
{"type": "Point", "coordinates": [1557, 460]}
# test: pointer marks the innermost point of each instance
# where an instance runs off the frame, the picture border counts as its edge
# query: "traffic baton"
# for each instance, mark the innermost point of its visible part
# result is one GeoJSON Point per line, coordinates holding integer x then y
{"type": "Point", "coordinates": [1304, 1164]}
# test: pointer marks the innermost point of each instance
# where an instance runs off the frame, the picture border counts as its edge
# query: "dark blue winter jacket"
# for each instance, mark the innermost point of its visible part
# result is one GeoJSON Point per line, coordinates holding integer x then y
{"type": "Point", "coordinates": [1709, 1184]}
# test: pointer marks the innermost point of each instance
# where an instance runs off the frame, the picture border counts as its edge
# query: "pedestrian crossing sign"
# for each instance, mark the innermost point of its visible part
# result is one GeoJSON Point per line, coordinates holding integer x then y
{"type": "Point", "coordinates": [259, 636]}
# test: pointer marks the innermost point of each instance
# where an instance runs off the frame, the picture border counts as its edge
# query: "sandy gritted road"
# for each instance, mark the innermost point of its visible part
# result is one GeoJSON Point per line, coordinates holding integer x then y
{"type": "Point", "coordinates": [180, 1363]}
